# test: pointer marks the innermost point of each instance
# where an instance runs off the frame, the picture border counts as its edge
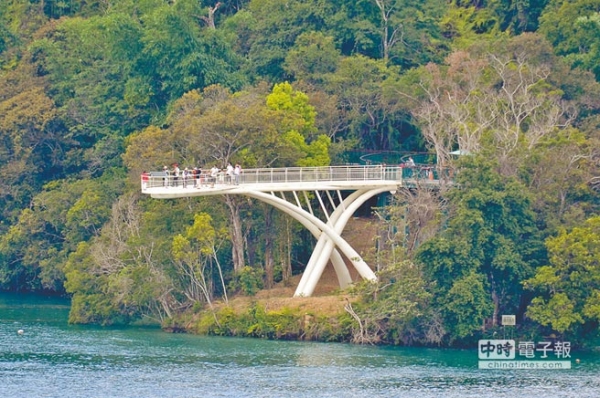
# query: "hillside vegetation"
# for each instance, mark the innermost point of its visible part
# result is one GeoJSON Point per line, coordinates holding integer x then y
{"type": "Point", "coordinates": [94, 92]}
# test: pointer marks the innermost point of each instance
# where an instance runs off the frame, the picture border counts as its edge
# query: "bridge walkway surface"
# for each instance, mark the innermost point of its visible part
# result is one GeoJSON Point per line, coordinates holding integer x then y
{"type": "Point", "coordinates": [287, 189]}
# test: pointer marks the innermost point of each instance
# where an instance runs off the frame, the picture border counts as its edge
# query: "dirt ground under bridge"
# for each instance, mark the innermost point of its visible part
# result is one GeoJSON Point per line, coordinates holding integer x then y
{"type": "Point", "coordinates": [327, 298]}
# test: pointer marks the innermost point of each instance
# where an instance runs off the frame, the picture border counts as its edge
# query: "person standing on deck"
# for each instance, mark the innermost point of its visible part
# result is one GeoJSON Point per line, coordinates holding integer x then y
{"type": "Point", "coordinates": [236, 172]}
{"type": "Point", "coordinates": [166, 177]}
{"type": "Point", "coordinates": [196, 176]}
{"type": "Point", "coordinates": [214, 173]}
{"type": "Point", "coordinates": [186, 176]}
{"type": "Point", "coordinates": [176, 173]}
{"type": "Point", "coordinates": [410, 163]}
{"type": "Point", "coordinates": [229, 173]}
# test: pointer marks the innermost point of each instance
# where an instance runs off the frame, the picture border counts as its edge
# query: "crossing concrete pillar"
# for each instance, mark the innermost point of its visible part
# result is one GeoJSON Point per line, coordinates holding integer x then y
{"type": "Point", "coordinates": [328, 237]}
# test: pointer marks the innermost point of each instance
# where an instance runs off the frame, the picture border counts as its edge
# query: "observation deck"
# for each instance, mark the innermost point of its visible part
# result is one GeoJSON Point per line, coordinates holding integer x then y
{"type": "Point", "coordinates": [287, 189]}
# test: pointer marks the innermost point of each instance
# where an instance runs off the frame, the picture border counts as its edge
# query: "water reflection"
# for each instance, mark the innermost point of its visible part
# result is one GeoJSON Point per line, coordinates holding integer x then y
{"type": "Point", "coordinates": [55, 359]}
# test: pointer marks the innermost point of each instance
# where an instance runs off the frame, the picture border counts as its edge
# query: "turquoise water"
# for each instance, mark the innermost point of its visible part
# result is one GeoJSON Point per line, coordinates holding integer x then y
{"type": "Point", "coordinates": [54, 359]}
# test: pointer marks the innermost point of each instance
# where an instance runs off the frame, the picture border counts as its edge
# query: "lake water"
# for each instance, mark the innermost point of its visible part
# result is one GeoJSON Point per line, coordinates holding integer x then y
{"type": "Point", "coordinates": [54, 359]}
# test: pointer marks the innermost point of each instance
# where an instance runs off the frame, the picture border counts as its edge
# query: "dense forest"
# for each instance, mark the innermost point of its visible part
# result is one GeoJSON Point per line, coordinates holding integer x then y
{"type": "Point", "coordinates": [93, 92]}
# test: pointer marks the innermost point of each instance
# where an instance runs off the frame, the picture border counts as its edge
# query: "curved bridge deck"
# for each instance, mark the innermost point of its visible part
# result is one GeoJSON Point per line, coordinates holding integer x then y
{"type": "Point", "coordinates": [326, 183]}
{"type": "Point", "coordinates": [162, 186]}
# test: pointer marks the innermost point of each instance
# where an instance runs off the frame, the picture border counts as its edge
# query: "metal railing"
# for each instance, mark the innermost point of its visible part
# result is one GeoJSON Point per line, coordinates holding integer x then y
{"type": "Point", "coordinates": [287, 175]}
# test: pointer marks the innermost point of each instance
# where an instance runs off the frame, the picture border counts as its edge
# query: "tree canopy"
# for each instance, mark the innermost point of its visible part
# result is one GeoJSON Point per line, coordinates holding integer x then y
{"type": "Point", "coordinates": [92, 93]}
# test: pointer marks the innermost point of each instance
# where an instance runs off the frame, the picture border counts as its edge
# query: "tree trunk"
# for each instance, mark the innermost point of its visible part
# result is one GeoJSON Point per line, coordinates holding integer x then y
{"type": "Point", "coordinates": [496, 301]}
{"type": "Point", "coordinates": [237, 237]}
{"type": "Point", "coordinates": [210, 19]}
{"type": "Point", "coordinates": [284, 249]}
{"type": "Point", "coordinates": [269, 263]}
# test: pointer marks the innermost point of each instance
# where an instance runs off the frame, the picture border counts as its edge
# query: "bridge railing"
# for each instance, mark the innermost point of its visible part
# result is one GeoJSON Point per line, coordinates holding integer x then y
{"type": "Point", "coordinates": [157, 179]}
{"type": "Point", "coordinates": [318, 174]}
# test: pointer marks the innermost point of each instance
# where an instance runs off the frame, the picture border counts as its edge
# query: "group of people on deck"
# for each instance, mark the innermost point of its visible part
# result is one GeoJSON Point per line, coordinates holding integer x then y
{"type": "Point", "coordinates": [199, 178]}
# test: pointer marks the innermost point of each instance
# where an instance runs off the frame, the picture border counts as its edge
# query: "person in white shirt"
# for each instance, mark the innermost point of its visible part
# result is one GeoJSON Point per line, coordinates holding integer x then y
{"type": "Point", "coordinates": [236, 172]}
{"type": "Point", "coordinates": [214, 172]}
{"type": "Point", "coordinates": [166, 176]}
{"type": "Point", "coordinates": [229, 172]}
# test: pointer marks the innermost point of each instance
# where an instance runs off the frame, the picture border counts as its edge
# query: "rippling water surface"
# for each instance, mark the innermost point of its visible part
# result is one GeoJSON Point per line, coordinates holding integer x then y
{"type": "Point", "coordinates": [54, 359]}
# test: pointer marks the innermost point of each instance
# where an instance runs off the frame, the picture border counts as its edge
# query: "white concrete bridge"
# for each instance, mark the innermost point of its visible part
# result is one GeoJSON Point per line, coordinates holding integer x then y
{"type": "Point", "coordinates": [287, 189]}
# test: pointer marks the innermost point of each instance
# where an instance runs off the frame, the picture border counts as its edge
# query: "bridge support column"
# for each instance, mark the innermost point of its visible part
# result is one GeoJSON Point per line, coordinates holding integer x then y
{"type": "Point", "coordinates": [328, 235]}
{"type": "Point", "coordinates": [319, 258]}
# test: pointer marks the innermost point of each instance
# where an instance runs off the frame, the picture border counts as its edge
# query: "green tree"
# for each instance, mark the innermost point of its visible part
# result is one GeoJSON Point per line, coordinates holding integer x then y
{"type": "Point", "coordinates": [146, 150]}
{"type": "Point", "coordinates": [195, 254]}
{"type": "Point", "coordinates": [298, 122]}
{"type": "Point", "coordinates": [567, 289]}
{"type": "Point", "coordinates": [491, 242]}
{"type": "Point", "coordinates": [89, 304]}
{"type": "Point", "coordinates": [88, 62]}
{"type": "Point", "coordinates": [467, 305]}
{"type": "Point", "coordinates": [274, 29]}
{"type": "Point", "coordinates": [19, 19]}
{"type": "Point", "coordinates": [125, 273]}
{"type": "Point", "coordinates": [573, 28]}
{"type": "Point", "coordinates": [467, 22]}
{"type": "Point", "coordinates": [313, 56]}
{"type": "Point", "coordinates": [518, 16]}
{"type": "Point", "coordinates": [562, 190]}
{"type": "Point", "coordinates": [64, 214]}
{"type": "Point", "coordinates": [179, 56]}
{"type": "Point", "coordinates": [33, 250]}
{"type": "Point", "coordinates": [371, 114]}
{"type": "Point", "coordinates": [250, 127]}
{"type": "Point", "coordinates": [403, 33]}
{"type": "Point", "coordinates": [32, 143]}
{"type": "Point", "coordinates": [393, 310]}
{"type": "Point", "coordinates": [6, 38]}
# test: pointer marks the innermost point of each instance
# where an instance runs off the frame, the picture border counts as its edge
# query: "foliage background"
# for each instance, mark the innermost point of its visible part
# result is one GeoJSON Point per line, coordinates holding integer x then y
{"type": "Point", "coordinates": [94, 92]}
